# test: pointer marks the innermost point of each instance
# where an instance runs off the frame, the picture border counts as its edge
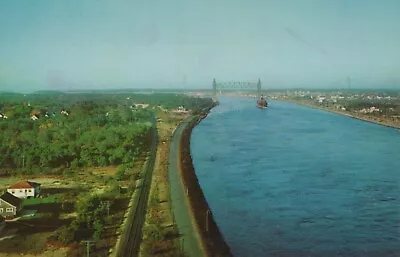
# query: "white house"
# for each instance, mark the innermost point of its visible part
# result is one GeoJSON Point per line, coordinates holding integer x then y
{"type": "Point", "coordinates": [180, 109]}
{"type": "Point", "coordinates": [25, 189]}
{"type": "Point", "coordinates": [370, 110]}
{"type": "Point", "coordinates": [34, 117]}
{"type": "Point", "coordinates": [3, 116]}
{"type": "Point", "coordinates": [64, 112]}
{"type": "Point", "coordinates": [144, 106]}
{"type": "Point", "coordinates": [321, 99]}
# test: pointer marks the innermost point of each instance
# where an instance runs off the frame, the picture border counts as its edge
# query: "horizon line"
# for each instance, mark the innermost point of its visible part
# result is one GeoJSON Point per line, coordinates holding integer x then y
{"type": "Point", "coordinates": [146, 89]}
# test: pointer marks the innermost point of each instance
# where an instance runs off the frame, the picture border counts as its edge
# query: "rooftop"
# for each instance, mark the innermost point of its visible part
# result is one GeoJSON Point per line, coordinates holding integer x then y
{"type": "Point", "coordinates": [24, 184]}
{"type": "Point", "coordinates": [9, 198]}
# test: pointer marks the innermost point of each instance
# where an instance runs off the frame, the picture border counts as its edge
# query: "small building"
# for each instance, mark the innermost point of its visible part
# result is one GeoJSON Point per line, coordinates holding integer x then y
{"type": "Point", "coordinates": [321, 99]}
{"type": "Point", "coordinates": [25, 189]}
{"type": "Point", "coordinates": [9, 205]}
{"type": "Point", "coordinates": [143, 106]}
{"type": "Point", "coordinates": [3, 116]}
{"type": "Point", "coordinates": [180, 109]}
{"type": "Point", "coordinates": [64, 112]}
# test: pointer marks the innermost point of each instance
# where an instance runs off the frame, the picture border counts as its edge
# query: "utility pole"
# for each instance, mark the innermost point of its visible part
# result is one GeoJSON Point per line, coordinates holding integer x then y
{"type": "Point", "coordinates": [107, 204]}
{"type": "Point", "coordinates": [207, 214]}
{"type": "Point", "coordinates": [88, 246]}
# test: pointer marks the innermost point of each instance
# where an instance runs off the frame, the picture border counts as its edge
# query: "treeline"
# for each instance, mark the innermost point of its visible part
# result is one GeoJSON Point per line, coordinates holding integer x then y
{"type": "Point", "coordinates": [46, 144]}
{"type": "Point", "coordinates": [99, 130]}
{"type": "Point", "coordinates": [21, 106]}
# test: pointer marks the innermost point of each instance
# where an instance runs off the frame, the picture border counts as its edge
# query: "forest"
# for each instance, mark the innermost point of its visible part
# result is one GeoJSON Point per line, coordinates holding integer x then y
{"type": "Point", "coordinates": [49, 132]}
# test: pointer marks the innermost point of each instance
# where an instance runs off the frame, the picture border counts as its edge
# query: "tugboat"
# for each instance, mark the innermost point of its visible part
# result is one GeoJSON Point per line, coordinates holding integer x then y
{"type": "Point", "coordinates": [262, 103]}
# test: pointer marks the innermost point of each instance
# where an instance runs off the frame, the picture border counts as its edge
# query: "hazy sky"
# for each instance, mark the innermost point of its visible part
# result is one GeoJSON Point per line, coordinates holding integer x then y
{"type": "Point", "coordinates": [93, 44]}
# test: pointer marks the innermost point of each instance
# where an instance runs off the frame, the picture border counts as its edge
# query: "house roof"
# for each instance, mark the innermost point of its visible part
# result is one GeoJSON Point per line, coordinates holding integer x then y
{"type": "Point", "coordinates": [9, 198]}
{"type": "Point", "coordinates": [24, 184]}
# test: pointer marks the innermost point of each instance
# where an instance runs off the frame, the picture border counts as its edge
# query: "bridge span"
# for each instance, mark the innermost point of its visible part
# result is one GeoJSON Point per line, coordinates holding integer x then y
{"type": "Point", "coordinates": [229, 85]}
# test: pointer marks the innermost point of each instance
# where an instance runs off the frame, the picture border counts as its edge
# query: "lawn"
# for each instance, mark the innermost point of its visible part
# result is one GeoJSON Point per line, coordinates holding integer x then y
{"type": "Point", "coordinates": [36, 201]}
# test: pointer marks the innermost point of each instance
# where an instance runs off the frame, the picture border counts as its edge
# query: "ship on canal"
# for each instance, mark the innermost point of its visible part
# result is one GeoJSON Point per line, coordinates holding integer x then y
{"type": "Point", "coordinates": [262, 103]}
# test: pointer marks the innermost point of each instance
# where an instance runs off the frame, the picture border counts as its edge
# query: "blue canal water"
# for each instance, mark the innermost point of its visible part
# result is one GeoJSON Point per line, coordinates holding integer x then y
{"type": "Point", "coordinates": [295, 181]}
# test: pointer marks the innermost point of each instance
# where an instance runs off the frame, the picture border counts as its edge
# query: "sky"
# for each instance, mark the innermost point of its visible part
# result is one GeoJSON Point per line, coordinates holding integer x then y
{"type": "Point", "coordinates": [75, 44]}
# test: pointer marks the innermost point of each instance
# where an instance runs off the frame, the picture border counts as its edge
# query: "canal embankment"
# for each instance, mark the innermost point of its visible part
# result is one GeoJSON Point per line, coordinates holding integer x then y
{"type": "Point", "coordinates": [199, 233]}
{"type": "Point", "coordinates": [211, 238]}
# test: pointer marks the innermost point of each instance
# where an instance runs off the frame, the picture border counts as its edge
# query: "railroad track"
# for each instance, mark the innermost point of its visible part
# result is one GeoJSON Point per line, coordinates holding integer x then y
{"type": "Point", "coordinates": [130, 246]}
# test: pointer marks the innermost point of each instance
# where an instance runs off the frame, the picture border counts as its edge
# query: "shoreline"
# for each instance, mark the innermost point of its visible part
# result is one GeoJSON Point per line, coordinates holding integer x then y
{"type": "Point", "coordinates": [209, 233]}
{"type": "Point", "coordinates": [382, 123]}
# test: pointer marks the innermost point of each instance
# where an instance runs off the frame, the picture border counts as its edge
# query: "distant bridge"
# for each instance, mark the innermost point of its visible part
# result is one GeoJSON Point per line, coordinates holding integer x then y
{"type": "Point", "coordinates": [219, 86]}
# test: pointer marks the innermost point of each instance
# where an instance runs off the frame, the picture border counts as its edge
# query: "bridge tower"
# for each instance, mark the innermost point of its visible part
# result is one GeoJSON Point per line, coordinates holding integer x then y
{"type": "Point", "coordinates": [259, 88]}
{"type": "Point", "coordinates": [214, 89]}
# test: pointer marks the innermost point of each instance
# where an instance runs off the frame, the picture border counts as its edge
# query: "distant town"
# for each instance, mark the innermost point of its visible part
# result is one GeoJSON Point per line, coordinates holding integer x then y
{"type": "Point", "coordinates": [379, 107]}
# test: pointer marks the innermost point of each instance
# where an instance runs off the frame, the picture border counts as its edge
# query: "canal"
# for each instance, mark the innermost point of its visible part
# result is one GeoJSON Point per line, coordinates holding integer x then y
{"type": "Point", "coordinates": [294, 181]}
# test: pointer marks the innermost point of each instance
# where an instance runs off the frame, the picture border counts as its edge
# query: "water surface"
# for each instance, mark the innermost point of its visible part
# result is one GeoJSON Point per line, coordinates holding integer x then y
{"type": "Point", "coordinates": [296, 181]}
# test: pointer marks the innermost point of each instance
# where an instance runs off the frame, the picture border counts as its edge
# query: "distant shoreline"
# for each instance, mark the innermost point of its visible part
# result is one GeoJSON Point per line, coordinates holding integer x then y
{"type": "Point", "coordinates": [366, 119]}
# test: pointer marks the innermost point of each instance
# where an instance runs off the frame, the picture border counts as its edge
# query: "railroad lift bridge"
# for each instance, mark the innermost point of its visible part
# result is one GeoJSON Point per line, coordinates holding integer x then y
{"type": "Point", "coordinates": [238, 85]}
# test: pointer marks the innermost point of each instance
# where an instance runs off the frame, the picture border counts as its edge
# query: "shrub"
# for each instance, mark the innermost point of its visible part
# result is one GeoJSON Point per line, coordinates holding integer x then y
{"type": "Point", "coordinates": [155, 232]}
{"type": "Point", "coordinates": [66, 234]}
{"type": "Point", "coordinates": [121, 173]}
